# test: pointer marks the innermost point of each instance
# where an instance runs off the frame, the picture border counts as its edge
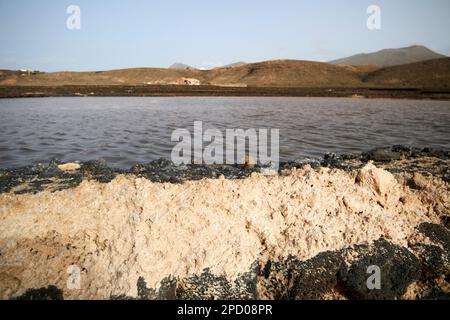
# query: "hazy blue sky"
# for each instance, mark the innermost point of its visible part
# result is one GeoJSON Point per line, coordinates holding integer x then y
{"type": "Point", "coordinates": [206, 33]}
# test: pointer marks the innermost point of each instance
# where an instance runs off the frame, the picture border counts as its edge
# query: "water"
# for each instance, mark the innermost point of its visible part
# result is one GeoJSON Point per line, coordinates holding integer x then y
{"type": "Point", "coordinates": [126, 131]}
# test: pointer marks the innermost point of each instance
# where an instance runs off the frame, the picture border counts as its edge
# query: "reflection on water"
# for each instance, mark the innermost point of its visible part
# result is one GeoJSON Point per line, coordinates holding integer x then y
{"type": "Point", "coordinates": [125, 131]}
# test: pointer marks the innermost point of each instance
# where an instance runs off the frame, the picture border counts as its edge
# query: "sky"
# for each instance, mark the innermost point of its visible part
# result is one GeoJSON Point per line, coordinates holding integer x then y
{"type": "Point", "coordinates": [207, 33]}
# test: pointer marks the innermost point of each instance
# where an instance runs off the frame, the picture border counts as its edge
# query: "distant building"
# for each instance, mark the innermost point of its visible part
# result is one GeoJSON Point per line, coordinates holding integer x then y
{"type": "Point", "coordinates": [28, 71]}
{"type": "Point", "coordinates": [189, 81]}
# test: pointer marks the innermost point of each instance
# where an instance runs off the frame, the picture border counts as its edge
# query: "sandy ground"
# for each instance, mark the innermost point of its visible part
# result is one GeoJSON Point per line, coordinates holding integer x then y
{"type": "Point", "coordinates": [132, 227]}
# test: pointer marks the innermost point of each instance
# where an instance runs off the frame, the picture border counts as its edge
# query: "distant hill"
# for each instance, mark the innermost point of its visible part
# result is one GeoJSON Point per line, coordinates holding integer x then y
{"type": "Point", "coordinates": [277, 73]}
{"type": "Point", "coordinates": [284, 73]}
{"type": "Point", "coordinates": [424, 74]}
{"type": "Point", "coordinates": [391, 57]}
{"type": "Point", "coordinates": [134, 76]}
{"type": "Point", "coordinates": [236, 64]}
{"type": "Point", "coordinates": [180, 66]}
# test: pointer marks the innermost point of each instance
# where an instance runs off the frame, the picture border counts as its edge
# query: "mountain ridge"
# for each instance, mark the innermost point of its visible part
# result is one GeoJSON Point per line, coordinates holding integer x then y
{"type": "Point", "coordinates": [180, 66]}
{"type": "Point", "coordinates": [391, 57]}
{"type": "Point", "coordinates": [273, 73]}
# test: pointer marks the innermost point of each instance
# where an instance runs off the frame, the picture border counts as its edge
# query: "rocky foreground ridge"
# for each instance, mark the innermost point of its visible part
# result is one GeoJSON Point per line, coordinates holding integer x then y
{"type": "Point", "coordinates": [158, 231]}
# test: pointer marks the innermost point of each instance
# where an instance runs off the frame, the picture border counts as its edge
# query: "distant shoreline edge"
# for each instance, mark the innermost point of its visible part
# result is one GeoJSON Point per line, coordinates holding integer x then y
{"type": "Point", "coordinates": [211, 91]}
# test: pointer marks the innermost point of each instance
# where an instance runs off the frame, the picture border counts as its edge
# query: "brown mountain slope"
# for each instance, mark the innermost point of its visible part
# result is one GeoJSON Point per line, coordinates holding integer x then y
{"type": "Point", "coordinates": [136, 76]}
{"type": "Point", "coordinates": [279, 73]}
{"type": "Point", "coordinates": [392, 57]}
{"type": "Point", "coordinates": [427, 74]}
{"type": "Point", "coordinates": [285, 73]}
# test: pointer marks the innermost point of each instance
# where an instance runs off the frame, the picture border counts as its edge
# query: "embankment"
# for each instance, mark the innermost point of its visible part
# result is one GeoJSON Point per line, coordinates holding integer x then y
{"type": "Point", "coordinates": [309, 232]}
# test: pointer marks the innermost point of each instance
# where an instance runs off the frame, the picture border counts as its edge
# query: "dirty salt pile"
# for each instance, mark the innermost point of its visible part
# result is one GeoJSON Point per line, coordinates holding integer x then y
{"type": "Point", "coordinates": [158, 231]}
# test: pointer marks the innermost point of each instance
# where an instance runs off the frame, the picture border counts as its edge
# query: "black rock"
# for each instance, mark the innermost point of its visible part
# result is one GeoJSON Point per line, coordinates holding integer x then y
{"type": "Point", "coordinates": [430, 152]}
{"type": "Point", "coordinates": [97, 170]}
{"type": "Point", "coordinates": [316, 276]}
{"type": "Point", "coordinates": [434, 261]}
{"type": "Point", "coordinates": [277, 278]}
{"type": "Point", "coordinates": [437, 233]}
{"type": "Point", "coordinates": [405, 151]}
{"type": "Point", "coordinates": [383, 155]}
{"type": "Point", "coordinates": [166, 171]}
{"type": "Point", "coordinates": [208, 286]}
{"type": "Point", "coordinates": [49, 293]}
{"type": "Point", "coordinates": [300, 280]}
{"type": "Point", "coordinates": [205, 286]}
{"type": "Point", "coordinates": [446, 221]}
{"type": "Point", "coordinates": [145, 293]}
{"type": "Point", "coordinates": [437, 294]}
{"type": "Point", "coordinates": [166, 291]}
{"type": "Point", "coordinates": [398, 267]}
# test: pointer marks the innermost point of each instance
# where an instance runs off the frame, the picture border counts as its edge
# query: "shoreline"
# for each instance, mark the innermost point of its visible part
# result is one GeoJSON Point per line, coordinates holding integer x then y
{"type": "Point", "coordinates": [395, 159]}
{"type": "Point", "coordinates": [217, 91]}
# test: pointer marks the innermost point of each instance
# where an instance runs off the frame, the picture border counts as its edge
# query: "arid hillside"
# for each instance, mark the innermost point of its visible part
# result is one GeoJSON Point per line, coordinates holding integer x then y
{"type": "Point", "coordinates": [285, 73]}
{"type": "Point", "coordinates": [392, 57]}
{"type": "Point", "coordinates": [282, 73]}
{"type": "Point", "coordinates": [426, 74]}
{"type": "Point", "coordinates": [432, 74]}
{"type": "Point", "coordinates": [135, 76]}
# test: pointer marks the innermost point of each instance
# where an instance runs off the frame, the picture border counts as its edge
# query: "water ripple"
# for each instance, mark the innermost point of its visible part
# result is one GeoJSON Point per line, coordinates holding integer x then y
{"type": "Point", "coordinates": [124, 131]}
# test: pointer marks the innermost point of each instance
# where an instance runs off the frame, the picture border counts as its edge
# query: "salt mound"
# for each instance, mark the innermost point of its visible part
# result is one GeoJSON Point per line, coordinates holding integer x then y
{"type": "Point", "coordinates": [132, 227]}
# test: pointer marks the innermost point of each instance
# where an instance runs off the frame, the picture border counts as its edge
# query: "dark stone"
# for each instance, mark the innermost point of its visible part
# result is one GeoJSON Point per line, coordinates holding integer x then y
{"type": "Point", "coordinates": [446, 221]}
{"type": "Point", "coordinates": [163, 170]}
{"type": "Point", "coordinates": [121, 297]}
{"type": "Point", "coordinates": [166, 291]}
{"type": "Point", "coordinates": [266, 269]}
{"type": "Point", "coordinates": [245, 286]}
{"type": "Point", "coordinates": [399, 268]}
{"type": "Point", "coordinates": [49, 293]}
{"type": "Point", "coordinates": [208, 286]}
{"type": "Point", "coordinates": [345, 162]}
{"type": "Point", "coordinates": [301, 280]}
{"type": "Point", "coordinates": [446, 178]}
{"type": "Point", "coordinates": [434, 261]}
{"type": "Point", "coordinates": [205, 286]}
{"type": "Point", "coordinates": [437, 153]}
{"type": "Point", "coordinates": [437, 233]}
{"type": "Point", "coordinates": [145, 293]}
{"type": "Point", "coordinates": [299, 164]}
{"type": "Point", "coordinates": [97, 170]}
{"type": "Point", "coordinates": [277, 278]}
{"type": "Point", "coordinates": [437, 294]}
{"type": "Point", "coordinates": [383, 155]}
{"type": "Point", "coordinates": [316, 276]}
{"type": "Point", "coordinates": [405, 151]}
{"type": "Point", "coordinates": [331, 160]}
